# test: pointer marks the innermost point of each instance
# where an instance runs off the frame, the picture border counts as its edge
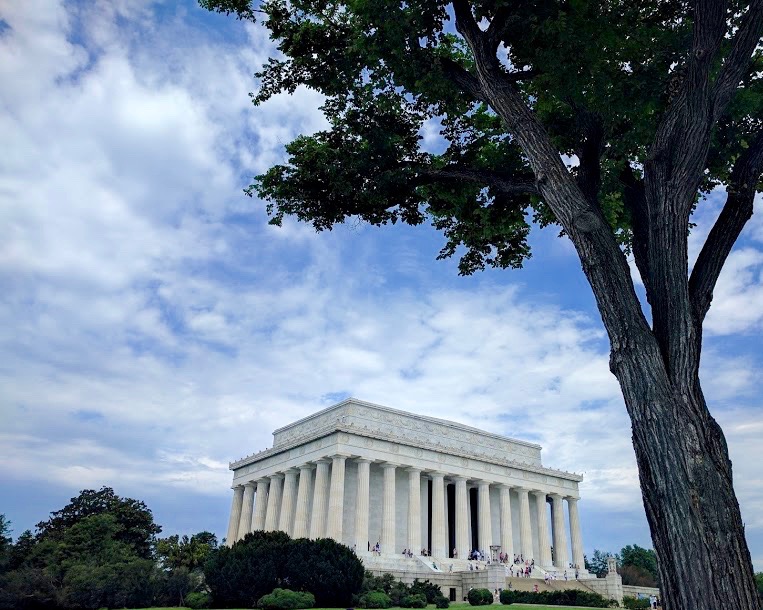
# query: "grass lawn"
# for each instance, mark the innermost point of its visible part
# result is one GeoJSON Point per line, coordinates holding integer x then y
{"type": "Point", "coordinates": [453, 605]}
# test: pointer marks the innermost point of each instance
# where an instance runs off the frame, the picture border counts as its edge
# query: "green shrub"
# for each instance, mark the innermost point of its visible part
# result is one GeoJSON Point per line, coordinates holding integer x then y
{"type": "Point", "coordinates": [240, 575]}
{"type": "Point", "coordinates": [374, 599]}
{"type": "Point", "coordinates": [567, 597]}
{"type": "Point", "coordinates": [634, 603]}
{"type": "Point", "coordinates": [415, 600]}
{"type": "Point", "coordinates": [197, 600]}
{"type": "Point", "coordinates": [430, 590]}
{"type": "Point", "coordinates": [284, 599]}
{"type": "Point", "coordinates": [441, 601]}
{"type": "Point", "coordinates": [480, 597]}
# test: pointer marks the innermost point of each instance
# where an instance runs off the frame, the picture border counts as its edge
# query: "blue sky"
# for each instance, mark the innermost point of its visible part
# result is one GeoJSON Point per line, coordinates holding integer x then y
{"type": "Point", "coordinates": [153, 327]}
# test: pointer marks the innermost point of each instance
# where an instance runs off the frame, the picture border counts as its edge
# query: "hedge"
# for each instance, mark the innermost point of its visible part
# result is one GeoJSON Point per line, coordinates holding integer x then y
{"type": "Point", "coordinates": [374, 599]}
{"type": "Point", "coordinates": [567, 597]}
{"type": "Point", "coordinates": [284, 599]}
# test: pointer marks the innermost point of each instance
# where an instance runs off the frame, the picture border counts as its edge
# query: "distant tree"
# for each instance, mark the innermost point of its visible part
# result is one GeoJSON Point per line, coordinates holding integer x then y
{"type": "Point", "coordinates": [84, 557]}
{"type": "Point", "coordinates": [190, 552]}
{"type": "Point", "coordinates": [135, 521]}
{"type": "Point", "coordinates": [633, 575]}
{"type": "Point", "coordinates": [656, 102]}
{"type": "Point", "coordinates": [28, 588]}
{"type": "Point", "coordinates": [21, 550]}
{"type": "Point", "coordinates": [759, 583]}
{"type": "Point", "coordinates": [644, 562]}
{"type": "Point", "coordinates": [6, 542]}
{"type": "Point", "coordinates": [598, 562]}
{"type": "Point", "coordinates": [181, 560]}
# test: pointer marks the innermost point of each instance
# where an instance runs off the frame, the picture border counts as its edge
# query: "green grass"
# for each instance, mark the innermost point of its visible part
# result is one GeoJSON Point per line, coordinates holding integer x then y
{"type": "Point", "coordinates": [452, 605]}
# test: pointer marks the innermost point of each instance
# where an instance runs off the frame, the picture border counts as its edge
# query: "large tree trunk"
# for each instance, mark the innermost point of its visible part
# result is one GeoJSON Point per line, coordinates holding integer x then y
{"type": "Point", "coordinates": [686, 484]}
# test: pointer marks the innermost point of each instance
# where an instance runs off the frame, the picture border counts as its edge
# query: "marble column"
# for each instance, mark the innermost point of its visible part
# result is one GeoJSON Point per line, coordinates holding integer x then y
{"type": "Point", "coordinates": [525, 533]}
{"type": "Point", "coordinates": [575, 534]}
{"type": "Point", "coordinates": [424, 515]}
{"type": "Point", "coordinates": [245, 521]}
{"type": "Point", "coordinates": [507, 536]}
{"type": "Point", "coordinates": [336, 499]}
{"type": "Point", "coordinates": [285, 521]}
{"type": "Point", "coordinates": [388, 510]}
{"type": "Point", "coordinates": [274, 503]}
{"type": "Point", "coordinates": [414, 509]}
{"type": "Point", "coordinates": [438, 516]}
{"type": "Point", "coordinates": [235, 514]}
{"type": "Point", "coordinates": [362, 505]}
{"type": "Point", "coordinates": [302, 515]}
{"type": "Point", "coordinates": [544, 546]}
{"type": "Point", "coordinates": [484, 528]}
{"type": "Point", "coordinates": [320, 496]}
{"type": "Point", "coordinates": [462, 518]}
{"type": "Point", "coordinates": [561, 556]}
{"type": "Point", "coordinates": [261, 505]}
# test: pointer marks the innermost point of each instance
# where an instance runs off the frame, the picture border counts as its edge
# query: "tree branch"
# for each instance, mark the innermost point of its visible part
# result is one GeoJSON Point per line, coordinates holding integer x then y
{"type": "Point", "coordinates": [525, 185]}
{"type": "Point", "coordinates": [635, 203]}
{"type": "Point", "coordinates": [462, 78]}
{"type": "Point", "coordinates": [736, 212]}
{"type": "Point", "coordinates": [466, 24]}
{"type": "Point", "coordinates": [743, 46]}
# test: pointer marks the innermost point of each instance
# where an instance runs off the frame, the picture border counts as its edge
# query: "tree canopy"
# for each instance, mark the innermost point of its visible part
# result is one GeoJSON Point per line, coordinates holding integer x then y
{"type": "Point", "coordinates": [133, 519]}
{"type": "Point", "coordinates": [597, 76]}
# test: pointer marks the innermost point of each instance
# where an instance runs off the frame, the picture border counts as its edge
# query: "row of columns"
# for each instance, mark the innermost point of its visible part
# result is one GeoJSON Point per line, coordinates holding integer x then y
{"type": "Point", "coordinates": [281, 495]}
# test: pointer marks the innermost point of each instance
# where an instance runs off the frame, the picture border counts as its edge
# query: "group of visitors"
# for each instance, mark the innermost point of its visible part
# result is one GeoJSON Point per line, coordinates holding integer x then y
{"type": "Point", "coordinates": [521, 571]}
{"type": "Point", "coordinates": [654, 601]}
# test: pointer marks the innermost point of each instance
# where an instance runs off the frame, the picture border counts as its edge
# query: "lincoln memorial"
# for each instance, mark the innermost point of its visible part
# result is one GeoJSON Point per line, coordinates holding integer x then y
{"type": "Point", "coordinates": [364, 474]}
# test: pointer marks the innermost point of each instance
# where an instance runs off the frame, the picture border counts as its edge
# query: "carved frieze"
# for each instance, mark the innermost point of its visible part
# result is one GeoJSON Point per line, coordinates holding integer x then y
{"type": "Point", "coordinates": [409, 434]}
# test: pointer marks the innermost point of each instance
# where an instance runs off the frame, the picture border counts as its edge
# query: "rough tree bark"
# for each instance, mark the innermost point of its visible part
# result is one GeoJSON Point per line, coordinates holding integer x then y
{"type": "Point", "coordinates": [684, 468]}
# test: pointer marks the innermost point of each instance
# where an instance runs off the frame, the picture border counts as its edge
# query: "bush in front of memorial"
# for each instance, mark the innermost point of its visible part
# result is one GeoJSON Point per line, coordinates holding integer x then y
{"type": "Point", "coordinates": [238, 576]}
{"type": "Point", "coordinates": [566, 597]}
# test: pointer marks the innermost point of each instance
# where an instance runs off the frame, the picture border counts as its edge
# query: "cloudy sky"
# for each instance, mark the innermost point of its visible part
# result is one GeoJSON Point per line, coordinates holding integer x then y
{"type": "Point", "coordinates": [153, 327]}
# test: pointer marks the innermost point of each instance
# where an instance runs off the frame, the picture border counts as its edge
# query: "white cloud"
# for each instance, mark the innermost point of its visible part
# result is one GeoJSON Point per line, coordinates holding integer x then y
{"type": "Point", "coordinates": [152, 328]}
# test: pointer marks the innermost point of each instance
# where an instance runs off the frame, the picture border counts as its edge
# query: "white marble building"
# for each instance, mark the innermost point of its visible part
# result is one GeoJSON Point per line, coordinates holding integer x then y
{"type": "Point", "coordinates": [362, 473]}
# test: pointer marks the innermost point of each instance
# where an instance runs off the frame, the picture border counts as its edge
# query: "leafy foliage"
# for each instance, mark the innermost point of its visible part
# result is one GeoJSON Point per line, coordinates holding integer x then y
{"type": "Point", "coordinates": [198, 599]}
{"type": "Point", "coordinates": [414, 600]}
{"type": "Point", "coordinates": [639, 566]}
{"type": "Point", "coordinates": [89, 564]}
{"type": "Point", "coordinates": [392, 71]}
{"type": "Point", "coordinates": [633, 603]}
{"type": "Point", "coordinates": [191, 553]}
{"type": "Point", "coordinates": [92, 554]}
{"type": "Point", "coordinates": [133, 519]}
